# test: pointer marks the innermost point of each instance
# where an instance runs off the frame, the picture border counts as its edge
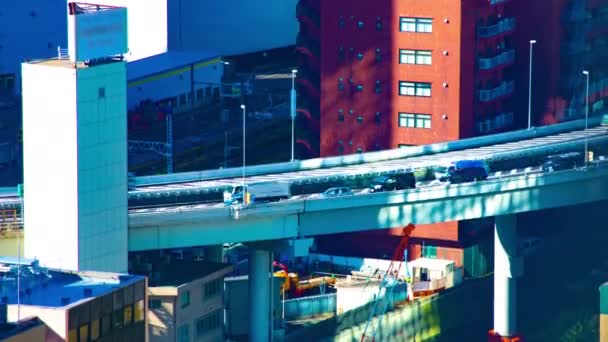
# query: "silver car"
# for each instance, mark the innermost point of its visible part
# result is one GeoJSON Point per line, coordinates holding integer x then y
{"type": "Point", "coordinates": [336, 192]}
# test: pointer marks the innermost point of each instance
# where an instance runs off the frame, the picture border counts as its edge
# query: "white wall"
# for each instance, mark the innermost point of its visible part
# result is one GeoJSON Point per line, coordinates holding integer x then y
{"type": "Point", "coordinates": [231, 26]}
{"type": "Point", "coordinates": [75, 166]}
{"type": "Point", "coordinates": [50, 165]}
{"type": "Point", "coordinates": [102, 168]}
{"type": "Point", "coordinates": [147, 25]}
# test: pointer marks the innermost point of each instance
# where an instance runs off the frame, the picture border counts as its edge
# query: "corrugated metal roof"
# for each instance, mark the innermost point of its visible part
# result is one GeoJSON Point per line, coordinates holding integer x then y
{"type": "Point", "coordinates": [167, 61]}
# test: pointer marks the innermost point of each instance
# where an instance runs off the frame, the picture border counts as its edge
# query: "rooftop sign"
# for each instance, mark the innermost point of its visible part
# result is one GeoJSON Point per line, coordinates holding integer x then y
{"type": "Point", "coordinates": [96, 31]}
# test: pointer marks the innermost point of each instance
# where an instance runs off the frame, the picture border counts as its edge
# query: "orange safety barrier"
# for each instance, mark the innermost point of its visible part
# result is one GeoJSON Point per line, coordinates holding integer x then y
{"type": "Point", "coordinates": [494, 337]}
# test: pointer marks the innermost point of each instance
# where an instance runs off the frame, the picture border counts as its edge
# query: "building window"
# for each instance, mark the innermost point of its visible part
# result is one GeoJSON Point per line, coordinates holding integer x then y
{"type": "Point", "coordinates": [340, 84]}
{"type": "Point", "coordinates": [359, 119]}
{"type": "Point", "coordinates": [340, 115]}
{"type": "Point", "coordinates": [213, 287]}
{"type": "Point", "coordinates": [429, 251]}
{"type": "Point", "coordinates": [415, 57]}
{"type": "Point", "coordinates": [414, 120]}
{"type": "Point", "coordinates": [423, 25]}
{"type": "Point", "coordinates": [360, 56]}
{"type": "Point", "coordinates": [360, 24]}
{"type": "Point", "coordinates": [341, 22]}
{"type": "Point", "coordinates": [378, 118]}
{"type": "Point", "coordinates": [378, 24]}
{"type": "Point", "coordinates": [138, 314]}
{"type": "Point", "coordinates": [117, 318]}
{"type": "Point", "coordinates": [378, 56]}
{"type": "Point", "coordinates": [106, 324]}
{"type": "Point", "coordinates": [128, 314]}
{"type": "Point", "coordinates": [208, 323]}
{"type": "Point", "coordinates": [341, 149]}
{"type": "Point", "coordinates": [154, 304]}
{"type": "Point", "coordinates": [184, 299]}
{"type": "Point", "coordinates": [378, 88]}
{"type": "Point", "coordinates": [95, 330]}
{"type": "Point", "coordinates": [359, 150]}
{"type": "Point", "coordinates": [341, 53]}
{"type": "Point", "coordinates": [359, 87]}
{"type": "Point", "coordinates": [183, 333]}
{"type": "Point", "coordinates": [83, 333]}
{"type": "Point", "coordinates": [414, 88]}
{"type": "Point", "coordinates": [101, 92]}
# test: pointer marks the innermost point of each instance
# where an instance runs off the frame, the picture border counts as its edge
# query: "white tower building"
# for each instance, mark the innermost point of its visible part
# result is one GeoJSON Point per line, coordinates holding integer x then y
{"type": "Point", "coordinates": [75, 147]}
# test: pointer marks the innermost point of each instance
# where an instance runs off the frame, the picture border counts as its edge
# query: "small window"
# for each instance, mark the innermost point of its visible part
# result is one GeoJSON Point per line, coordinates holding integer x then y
{"type": "Point", "coordinates": [378, 88]}
{"type": "Point", "coordinates": [341, 149]}
{"type": "Point", "coordinates": [360, 119]}
{"type": "Point", "coordinates": [101, 92]}
{"type": "Point", "coordinates": [360, 56]}
{"type": "Point", "coordinates": [359, 150]}
{"type": "Point", "coordinates": [378, 118]}
{"type": "Point", "coordinates": [200, 94]}
{"type": "Point", "coordinates": [341, 22]}
{"type": "Point", "coordinates": [340, 115]}
{"type": "Point", "coordinates": [184, 299]}
{"type": "Point", "coordinates": [378, 24]}
{"type": "Point", "coordinates": [421, 25]}
{"type": "Point", "coordinates": [340, 84]}
{"type": "Point", "coordinates": [359, 87]}
{"type": "Point", "coordinates": [183, 333]}
{"type": "Point", "coordinates": [414, 120]}
{"type": "Point", "coordinates": [154, 304]}
{"type": "Point", "coordinates": [213, 288]}
{"type": "Point", "coordinates": [360, 24]}
{"type": "Point", "coordinates": [415, 57]}
{"type": "Point", "coordinates": [341, 53]}
{"type": "Point", "coordinates": [378, 57]}
{"type": "Point", "coordinates": [407, 88]}
{"type": "Point", "coordinates": [351, 111]}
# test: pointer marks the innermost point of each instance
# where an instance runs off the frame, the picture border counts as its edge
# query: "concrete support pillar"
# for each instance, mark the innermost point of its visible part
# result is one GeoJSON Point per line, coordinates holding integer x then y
{"type": "Point", "coordinates": [260, 326]}
{"type": "Point", "coordinates": [214, 253]}
{"type": "Point", "coordinates": [507, 267]}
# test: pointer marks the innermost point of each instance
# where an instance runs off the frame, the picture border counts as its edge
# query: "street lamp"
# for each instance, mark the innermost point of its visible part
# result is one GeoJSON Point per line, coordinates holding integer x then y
{"type": "Point", "coordinates": [586, 73]}
{"type": "Point", "coordinates": [293, 111]}
{"type": "Point", "coordinates": [244, 151]}
{"type": "Point", "coordinates": [532, 42]}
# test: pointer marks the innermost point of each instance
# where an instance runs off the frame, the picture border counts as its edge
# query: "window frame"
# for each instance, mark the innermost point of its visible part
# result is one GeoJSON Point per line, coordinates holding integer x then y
{"type": "Point", "coordinates": [414, 120]}
{"type": "Point", "coordinates": [184, 299]}
{"type": "Point", "coordinates": [417, 57]}
{"type": "Point", "coordinates": [416, 24]}
{"type": "Point", "coordinates": [410, 88]}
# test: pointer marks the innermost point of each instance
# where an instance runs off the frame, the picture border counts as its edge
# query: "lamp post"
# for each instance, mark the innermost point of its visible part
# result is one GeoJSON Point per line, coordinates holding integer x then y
{"type": "Point", "coordinates": [293, 111]}
{"type": "Point", "coordinates": [244, 150]}
{"type": "Point", "coordinates": [532, 42]}
{"type": "Point", "coordinates": [586, 73]}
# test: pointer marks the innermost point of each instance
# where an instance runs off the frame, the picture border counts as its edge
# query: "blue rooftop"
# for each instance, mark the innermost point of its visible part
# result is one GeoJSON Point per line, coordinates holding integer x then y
{"type": "Point", "coordinates": [164, 62]}
{"type": "Point", "coordinates": [55, 288]}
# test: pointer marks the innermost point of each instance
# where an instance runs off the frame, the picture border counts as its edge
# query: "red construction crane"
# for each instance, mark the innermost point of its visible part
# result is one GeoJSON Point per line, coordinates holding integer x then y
{"type": "Point", "coordinates": [389, 280]}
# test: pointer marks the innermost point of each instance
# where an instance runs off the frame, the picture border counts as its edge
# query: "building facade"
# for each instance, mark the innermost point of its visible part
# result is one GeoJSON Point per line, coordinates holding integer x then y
{"type": "Point", "coordinates": [413, 72]}
{"type": "Point", "coordinates": [185, 296]}
{"type": "Point", "coordinates": [76, 306]}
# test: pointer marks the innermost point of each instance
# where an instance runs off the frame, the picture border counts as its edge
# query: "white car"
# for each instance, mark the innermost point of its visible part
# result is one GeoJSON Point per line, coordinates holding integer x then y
{"type": "Point", "coordinates": [336, 192]}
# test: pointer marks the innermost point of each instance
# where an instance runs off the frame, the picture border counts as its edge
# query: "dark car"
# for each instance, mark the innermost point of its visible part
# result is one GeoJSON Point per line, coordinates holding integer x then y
{"type": "Point", "coordinates": [467, 171]}
{"type": "Point", "coordinates": [393, 182]}
{"type": "Point", "coordinates": [563, 161]}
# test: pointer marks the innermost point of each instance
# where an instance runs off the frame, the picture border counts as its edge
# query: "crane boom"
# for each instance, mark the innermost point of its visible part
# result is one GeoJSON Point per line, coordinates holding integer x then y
{"type": "Point", "coordinates": [389, 280]}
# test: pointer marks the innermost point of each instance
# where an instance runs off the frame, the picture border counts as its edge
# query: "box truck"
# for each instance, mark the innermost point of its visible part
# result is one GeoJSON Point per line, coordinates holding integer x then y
{"type": "Point", "coordinates": [258, 192]}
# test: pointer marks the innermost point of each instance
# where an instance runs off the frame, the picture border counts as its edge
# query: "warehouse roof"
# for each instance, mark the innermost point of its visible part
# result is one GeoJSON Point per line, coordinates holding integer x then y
{"type": "Point", "coordinates": [168, 61]}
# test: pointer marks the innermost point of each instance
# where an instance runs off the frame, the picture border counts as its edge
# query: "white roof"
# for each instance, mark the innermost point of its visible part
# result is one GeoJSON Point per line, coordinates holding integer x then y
{"type": "Point", "coordinates": [432, 264]}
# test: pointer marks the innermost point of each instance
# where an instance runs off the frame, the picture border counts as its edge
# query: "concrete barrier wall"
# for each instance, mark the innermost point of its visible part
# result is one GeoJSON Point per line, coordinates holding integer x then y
{"type": "Point", "coordinates": [298, 308]}
{"type": "Point", "coordinates": [353, 159]}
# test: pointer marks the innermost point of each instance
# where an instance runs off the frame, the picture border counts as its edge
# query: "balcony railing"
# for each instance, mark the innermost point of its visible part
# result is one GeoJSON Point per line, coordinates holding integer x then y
{"type": "Point", "coordinates": [504, 58]}
{"type": "Point", "coordinates": [504, 25]}
{"type": "Point", "coordinates": [505, 88]}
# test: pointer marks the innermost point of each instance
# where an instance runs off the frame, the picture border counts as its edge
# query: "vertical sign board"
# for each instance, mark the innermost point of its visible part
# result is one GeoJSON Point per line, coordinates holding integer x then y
{"type": "Point", "coordinates": [97, 34]}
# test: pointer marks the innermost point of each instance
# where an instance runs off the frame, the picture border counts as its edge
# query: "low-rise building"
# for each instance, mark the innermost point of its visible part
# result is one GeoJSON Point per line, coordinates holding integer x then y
{"type": "Point", "coordinates": [31, 329]}
{"type": "Point", "coordinates": [76, 306]}
{"type": "Point", "coordinates": [185, 296]}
